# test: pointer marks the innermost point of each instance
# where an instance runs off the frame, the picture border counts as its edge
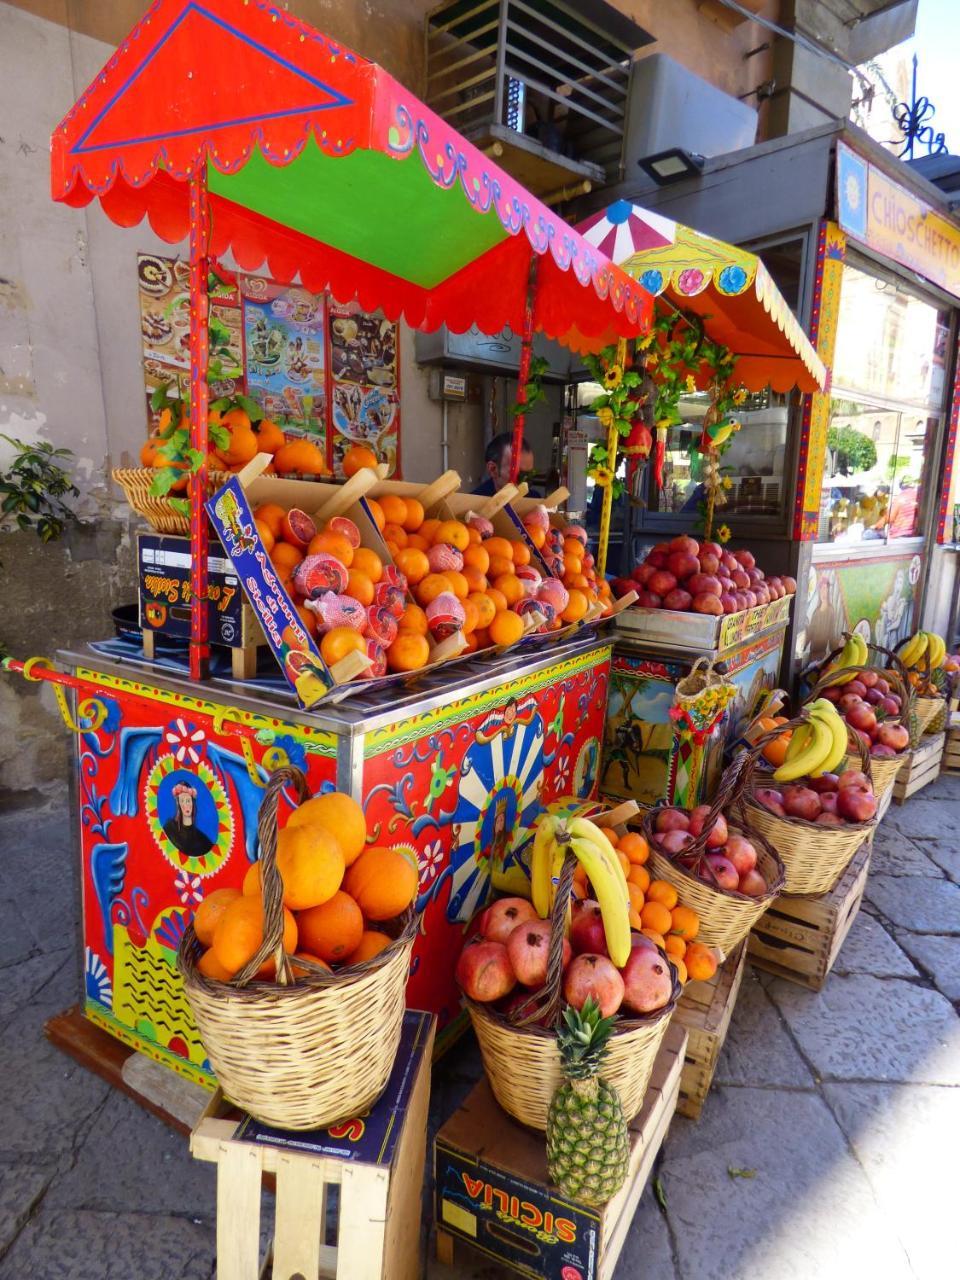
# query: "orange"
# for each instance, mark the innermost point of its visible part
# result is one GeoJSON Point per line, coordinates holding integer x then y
{"type": "Point", "coordinates": [612, 838]}
{"type": "Point", "coordinates": [311, 865]}
{"type": "Point", "coordinates": [700, 961]}
{"type": "Point", "coordinates": [414, 619]}
{"type": "Point", "coordinates": [486, 609]}
{"type": "Point", "coordinates": [332, 930]}
{"type": "Point", "coordinates": [368, 562]}
{"type": "Point", "coordinates": [775, 752]}
{"type": "Point", "coordinates": [416, 542]}
{"type": "Point", "coordinates": [635, 847]}
{"type": "Point", "coordinates": [300, 457]}
{"type": "Point", "coordinates": [383, 882]}
{"type": "Point", "coordinates": [239, 934]}
{"type": "Point", "coordinates": [393, 548]}
{"type": "Point", "coordinates": [656, 916]}
{"type": "Point", "coordinates": [674, 946]}
{"type": "Point", "coordinates": [498, 598]}
{"type": "Point", "coordinates": [458, 583]}
{"type": "Point", "coordinates": [506, 628]}
{"type": "Point", "coordinates": [482, 637]}
{"type": "Point", "coordinates": [252, 884]}
{"type": "Point", "coordinates": [308, 618]}
{"type": "Point", "coordinates": [454, 532]}
{"type": "Point", "coordinates": [334, 544]}
{"type": "Point", "coordinates": [579, 874]}
{"type": "Point", "coordinates": [283, 556]}
{"type": "Point", "coordinates": [681, 968]}
{"type": "Point", "coordinates": [243, 443]}
{"type": "Point", "coordinates": [299, 970]}
{"type": "Point", "coordinates": [396, 534]}
{"type": "Point", "coordinates": [210, 967]}
{"type": "Point", "coordinates": [471, 616]}
{"type": "Point", "coordinates": [409, 652]}
{"type": "Point", "coordinates": [636, 897]}
{"type": "Point", "coordinates": [662, 892]}
{"type": "Point", "coordinates": [576, 607]}
{"type": "Point", "coordinates": [536, 535]}
{"type": "Point", "coordinates": [477, 557]}
{"type": "Point", "coordinates": [510, 587]}
{"type": "Point", "coordinates": [208, 914]}
{"type": "Point", "coordinates": [469, 642]}
{"type": "Point", "coordinates": [499, 565]}
{"type": "Point", "coordinates": [639, 876]}
{"type": "Point", "coordinates": [521, 552]}
{"type": "Point", "coordinates": [413, 563]}
{"type": "Point", "coordinates": [272, 515]}
{"type": "Point", "coordinates": [266, 537]}
{"type": "Point", "coordinates": [360, 587]}
{"type": "Point", "coordinates": [497, 546]}
{"type": "Point", "coordinates": [415, 514]}
{"type": "Point", "coordinates": [356, 458]}
{"type": "Point", "coordinates": [148, 453]}
{"type": "Point", "coordinates": [623, 860]}
{"type": "Point", "coordinates": [580, 892]}
{"type": "Point", "coordinates": [658, 938]}
{"type": "Point", "coordinates": [270, 437]}
{"type": "Point", "coordinates": [428, 529]}
{"type": "Point", "coordinates": [430, 587]}
{"type": "Point", "coordinates": [371, 944]}
{"type": "Point", "coordinates": [338, 814]}
{"type": "Point", "coordinates": [575, 548]}
{"type": "Point", "coordinates": [340, 641]}
{"type": "Point", "coordinates": [635, 921]}
{"type": "Point", "coordinates": [394, 509]}
{"type": "Point", "coordinates": [476, 580]}
{"type": "Point", "coordinates": [581, 582]}
{"type": "Point", "coordinates": [686, 922]}
{"type": "Point", "coordinates": [376, 511]}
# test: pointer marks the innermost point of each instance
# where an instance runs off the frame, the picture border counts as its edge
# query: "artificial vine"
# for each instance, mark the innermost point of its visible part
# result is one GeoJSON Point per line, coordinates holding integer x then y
{"type": "Point", "coordinates": [616, 407]}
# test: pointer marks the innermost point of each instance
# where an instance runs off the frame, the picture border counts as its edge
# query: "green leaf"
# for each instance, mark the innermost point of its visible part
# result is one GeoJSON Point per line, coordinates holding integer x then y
{"type": "Point", "coordinates": [740, 1173]}
{"type": "Point", "coordinates": [164, 481]}
{"type": "Point", "coordinates": [221, 405]}
{"type": "Point", "coordinates": [659, 1192]}
{"type": "Point", "coordinates": [181, 506]}
{"type": "Point", "coordinates": [10, 503]}
{"type": "Point", "coordinates": [251, 407]}
{"type": "Point", "coordinates": [195, 458]}
{"type": "Point", "coordinates": [158, 398]}
{"type": "Point", "coordinates": [219, 436]}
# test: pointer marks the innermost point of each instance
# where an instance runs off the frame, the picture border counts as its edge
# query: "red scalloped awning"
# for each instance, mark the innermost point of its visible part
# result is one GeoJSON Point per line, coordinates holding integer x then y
{"type": "Point", "coordinates": [321, 166]}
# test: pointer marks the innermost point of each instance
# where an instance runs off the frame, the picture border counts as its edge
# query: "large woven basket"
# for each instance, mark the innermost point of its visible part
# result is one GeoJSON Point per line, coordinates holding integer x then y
{"type": "Point", "coordinates": [726, 915]}
{"type": "Point", "coordinates": [309, 1052]}
{"type": "Point", "coordinates": [814, 857]}
{"type": "Point", "coordinates": [523, 1062]}
{"type": "Point", "coordinates": [159, 513]}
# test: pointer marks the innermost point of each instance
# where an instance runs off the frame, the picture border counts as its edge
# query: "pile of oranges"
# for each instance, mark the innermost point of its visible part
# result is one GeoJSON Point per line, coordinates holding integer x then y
{"type": "Point", "coordinates": [564, 548]}
{"type": "Point", "coordinates": [655, 909]}
{"type": "Point", "coordinates": [336, 891]}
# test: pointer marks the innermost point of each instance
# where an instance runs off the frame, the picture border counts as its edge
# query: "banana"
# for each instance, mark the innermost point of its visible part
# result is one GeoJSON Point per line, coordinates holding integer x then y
{"type": "Point", "coordinates": [799, 741]}
{"type": "Point", "coordinates": [860, 650]}
{"type": "Point", "coordinates": [912, 650]}
{"type": "Point", "coordinates": [936, 648]}
{"type": "Point", "coordinates": [854, 655]}
{"type": "Point", "coordinates": [811, 758]}
{"type": "Point", "coordinates": [825, 712]}
{"type": "Point", "coordinates": [596, 856]}
{"type": "Point", "coordinates": [544, 843]}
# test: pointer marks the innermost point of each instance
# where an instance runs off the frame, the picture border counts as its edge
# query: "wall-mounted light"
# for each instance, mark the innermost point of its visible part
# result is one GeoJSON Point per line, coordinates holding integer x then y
{"type": "Point", "coordinates": [672, 166]}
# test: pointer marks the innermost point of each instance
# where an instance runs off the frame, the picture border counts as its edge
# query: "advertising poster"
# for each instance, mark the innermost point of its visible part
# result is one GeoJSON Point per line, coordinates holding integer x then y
{"type": "Point", "coordinates": [284, 340]}
{"type": "Point", "coordinates": [876, 598]}
{"type": "Point", "coordinates": [365, 386]}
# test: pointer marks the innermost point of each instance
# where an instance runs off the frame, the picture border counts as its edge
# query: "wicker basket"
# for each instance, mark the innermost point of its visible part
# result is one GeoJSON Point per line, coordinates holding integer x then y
{"type": "Point", "coordinates": [304, 1053]}
{"type": "Point", "coordinates": [159, 513]}
{"type": "Point", "coordinates": [726, 915]}
{"type": "Point", "coordinates": [814, 857]}
{"type": "Point", "coordinates": [523, 1062]}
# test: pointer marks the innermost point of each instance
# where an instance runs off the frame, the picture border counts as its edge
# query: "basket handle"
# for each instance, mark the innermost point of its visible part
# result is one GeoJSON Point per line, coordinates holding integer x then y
{"type": "Point", "coordinates": [729, 790]}
{"type": "Point", "coordinates": [545, 1004]}
{"type": "Point", "coordinates": [754, 753]}
{"type": "Point", "coordinates": [270, 881]}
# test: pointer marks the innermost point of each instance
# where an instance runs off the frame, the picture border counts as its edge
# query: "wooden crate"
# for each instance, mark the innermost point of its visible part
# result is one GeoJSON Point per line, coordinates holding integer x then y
{"type": "Point", "coordinates": [921, 767]}
{"type": "Point", "coordinates": [375, 1163]}
{"type": "Point", "coordinates": [492, 1191]}
{"type": "Point", "coordinates": [951, 747]}
{"type": "Point", "coordinates": [705, 1010]}
{"type": "Point", "coordinates": [799, 938]}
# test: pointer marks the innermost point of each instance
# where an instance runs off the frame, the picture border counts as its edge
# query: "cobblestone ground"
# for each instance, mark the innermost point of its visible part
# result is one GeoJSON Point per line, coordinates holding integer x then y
{"type": "Point", "coordinates": [842, 1103]}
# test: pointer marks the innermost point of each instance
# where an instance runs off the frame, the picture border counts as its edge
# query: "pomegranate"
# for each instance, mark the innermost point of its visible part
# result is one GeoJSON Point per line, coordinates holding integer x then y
{"type": "Point", "coordinates": [725, 875]}
{"type": "Point", "coordinates": [827, 819]}
{"type": "Point", "coordinates": [718, 834]}
{"type": "Point", "coordinates": [828, 801]}
{"type": "Point", "coordinates": [729, 602]}
{"type": "Point", "coordinates": [707, 603]}
{"type": "Point", "coordinates": [890, 705]}
{"type": "Point", "coordinates": [661, 582]}
{"type": "Point", "coordinates": [527, 949]}
{"type": "Point", "coordinates": [703, 584]}
{"type": "Point", "coordinates": [740, 579]}
{"type": "Point", "coordinates": [673, 841]}
{"type": "Point", "coordinates": [730, 562]}
{"type": "Point", "coordinates": [622, 586]}
{"type": "Point", "coordinates": [880, 684]}
{"type": "Point", "coordinates": [484, 971]}
{"type": "Point", "coordinates": [648, 600]}
{"type": "Point", "coordinates": [742, 853]}
{"type": "Point", "coordinates": [880, 752]}
{"type": "Point", "coordinates": [853, 778]}
{"type": "Point", "coordinates": [685, 543]}
{"type": "Point", "coordinates": [752, 883]}
{"type": "Point", "coordinates": [677, 599]}
{"type": "Point", "coordinates": [586, 929]}
{"type": "Point", "coordinates": [826, 782]}
{"type": "Point", "coordinates": [847, 701]}
{"type": "Point", "coordinates": [746, 559]}
{"type": "Point", "coordinates": [833, 694]}
{"type": "Point", "coordinates": [644, 572]}
{"type": "Point", "coordinates": [856, 686]}
{"type": "Point", "coordinates": [709, 563]}
{"type": "Point", "coordinates": [647, 980]}
{"type": "Point", "coordinates": [672, 820]}
{"type": "Point", "coordinates": [591, 975]}
{"type": "Point", "coordinates": [895, 736]}
{"type": "Point", "coordinates": [771, 799]}
{"type": "Point", "coordinates": [869, 678]}
{"type": "Point", "coordinates": [681, 564]}
{"type": "Point", "coordinates": [801, 802]}
{"type": "Point", "coordinates": [861, 717]}
{"type": "Point", "coordinates": [856, 805]}
{"type": "Point", "coordinates": [790, 585]}
{"type": "Point", "coordinates": [502, 917]}
{"type": "Point", "coordinates": [711, 549]}
{"type": "Point", "coordinates": [656, 559]}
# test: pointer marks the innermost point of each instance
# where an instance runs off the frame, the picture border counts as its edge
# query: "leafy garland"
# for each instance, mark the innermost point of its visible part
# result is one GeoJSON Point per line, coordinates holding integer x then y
{"type": "Point", "coordinates": [614, 408]}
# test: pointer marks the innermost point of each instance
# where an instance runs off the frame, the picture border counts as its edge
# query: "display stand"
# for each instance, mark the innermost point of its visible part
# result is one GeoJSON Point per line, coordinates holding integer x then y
{"type": "Point", "coordinates": [921, 767]}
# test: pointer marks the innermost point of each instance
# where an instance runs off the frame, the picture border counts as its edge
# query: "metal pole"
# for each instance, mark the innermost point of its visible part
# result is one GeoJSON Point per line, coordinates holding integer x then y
{"type": "Point", "coordinates": [522, 377]}
{"type": "Point", "coordinates": [199, 435]}
{"type": "Point", "coordinates": [613, 439]}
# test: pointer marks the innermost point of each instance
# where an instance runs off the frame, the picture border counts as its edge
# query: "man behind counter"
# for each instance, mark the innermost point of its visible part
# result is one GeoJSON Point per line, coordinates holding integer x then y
{"type": "Point", "coordinates": [496, 464]}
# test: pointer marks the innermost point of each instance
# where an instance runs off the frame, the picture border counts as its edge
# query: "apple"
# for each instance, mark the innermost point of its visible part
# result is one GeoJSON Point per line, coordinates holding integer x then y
{"type": "Point", "coordinates": [826, 782]}
{"type": "Point", "coordinates": [718, 834]}
{"type": "Point", "coordinates": [725, 874]}
{"type": "Point", "coordinates": [643, 573]}
{"type": "Point", "coordinates": [752, 883]}
{"type": "Point", "coordinates": [672, 820]}
{"type": "Point", "coordinates": [647, 600]}
{"type": "Point", "coordinates": [856, 805]}
{"type": "Point", "coordinates": [484, 971]}
{"type": "Point", "coordinates": [647, 980]}
{"type": "Point", "coordinates": [893, 735]}
{"type": "Point", "coordinates": [703, 583]}
{"type": "Point", "coordinates": [771, 799]}
{"type": "Point", "coordinates": [681, 564]}
{"type": "Point", "coordinates": [586, 929]}
{"type": "Point", "coordinates": [673, 841]}
{"type": "Point", "coordinates": [861, 717]}
{"type": "Point", "coordinates": [707, 603]}
{"type": "Point", "coordinates": [685, 543]}
{"type": "Point", "coordinates": [661, 582]}
{"type": "Point", "coordinates": [801, 802]}
{"type": "Point", "coordinates": [528, 948]}
{"type": "Point", "coordinates": [742, 853]}
{"type": "Point", "coordinates": [592, 975]}
{"type": "Point", "coordinates": [677, 599]}
{"type": "Point", "coordinates": [709, 563]}
{"type": "Point", "coordinates": [502, 917]}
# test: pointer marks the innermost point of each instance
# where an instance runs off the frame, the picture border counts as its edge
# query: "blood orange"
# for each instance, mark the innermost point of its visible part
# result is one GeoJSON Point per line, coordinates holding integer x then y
{"type": "Point", "coordinates": [298, 528]}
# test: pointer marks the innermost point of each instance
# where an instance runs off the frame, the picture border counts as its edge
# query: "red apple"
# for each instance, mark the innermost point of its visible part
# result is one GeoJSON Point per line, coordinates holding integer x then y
{"type": "Point", "coordinates": [703, 583]}
{"type": "Point", "coordinates": [725, 875]}
{"type": "Point", "coordinates": [856, 805]}
{"type": "Point", "coordinates": [685, 543]}
{"type": "Point", "coordinates": [647, 600]}
{"type": "Point", "coordinates": [681, 564]}
{"type": "Point", "coordinates": [527, 948]}
{"type": "Point", "coordinates": [742, 853]}
{"type": "Point", "coordinates": [801, 802]}
{"type": "Point", "coordinates": [484, 971]}
{"type": "Point", "coordinates": [647, 981]}
{"type": "Point", "coordinates": [707, 603]}
{"type": "Point", "coordinates": [502, 917]}
{"type": "Point", "coordinates": [826, 782]}
{"type": "Point", "coordinates": [586, 929]}
{"type": "Point", "coordinates": [718, 834]}
{"type": "Point", "coordinates": [672, 820]}
{"type": "Point", "coordinates": [894, 735]}
{"type": "Point", "coordinates": [752, 884]}
{"type": "Point", "coordinates": [709, 563]}
{"type": "Point", "coordinates": [677, 599]}
{"type": "Point", "coordinates": [661, 582]}
{"type": "Point", "coordinates": [592, 975]}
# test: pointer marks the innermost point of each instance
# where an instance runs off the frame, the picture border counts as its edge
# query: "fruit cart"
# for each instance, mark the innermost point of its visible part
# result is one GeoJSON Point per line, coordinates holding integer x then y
{"type": "Point", "coordinates": [240, 127]}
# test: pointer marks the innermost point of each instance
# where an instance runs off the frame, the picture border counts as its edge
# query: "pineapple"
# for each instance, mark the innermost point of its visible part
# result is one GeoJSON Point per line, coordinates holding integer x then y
{"type": "Point", "coordinates": [587, 1145]}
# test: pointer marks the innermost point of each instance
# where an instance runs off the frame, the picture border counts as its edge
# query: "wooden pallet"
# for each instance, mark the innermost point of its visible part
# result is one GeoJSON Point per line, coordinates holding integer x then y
{"type": "Point", "coordinates": [493, 1193]}
{"type": "Point", "coordinates": [799, 938]}
{"type": "Point", "coordinates": [921, 767]}
{"type": "Point", "coordinates": [705, 1009]}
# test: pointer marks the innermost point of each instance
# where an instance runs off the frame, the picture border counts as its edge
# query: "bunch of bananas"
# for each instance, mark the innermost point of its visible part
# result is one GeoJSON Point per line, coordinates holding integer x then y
{"type": "Point", "coordinates": [854, 655]}
{"type": "Point", "coordinates": [816, 747]}
{"type": "Point", "coordinates": [555, 834]}
{"type": "Point", "coordinates": [925, 646]}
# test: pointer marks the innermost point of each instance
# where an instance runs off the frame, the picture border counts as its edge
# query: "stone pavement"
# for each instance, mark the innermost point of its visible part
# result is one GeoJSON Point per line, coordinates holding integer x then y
{"type": "Point", "coordinates": [843, 1106]}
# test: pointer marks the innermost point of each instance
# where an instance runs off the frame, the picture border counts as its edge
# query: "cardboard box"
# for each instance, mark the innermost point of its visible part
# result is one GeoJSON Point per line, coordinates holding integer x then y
{"type": "Point", "coordinates": [163, 579]}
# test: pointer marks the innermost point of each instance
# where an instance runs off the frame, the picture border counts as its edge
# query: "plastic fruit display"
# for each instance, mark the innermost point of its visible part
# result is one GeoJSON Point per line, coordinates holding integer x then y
{"type": "Point", "coordinates": [688, 576]}
{"type": "Point", "coordinates": [337, 891]}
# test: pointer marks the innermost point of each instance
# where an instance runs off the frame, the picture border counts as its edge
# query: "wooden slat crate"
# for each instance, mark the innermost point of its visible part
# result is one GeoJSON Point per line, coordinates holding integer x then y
{"type": "Point", "coordinates": [951, 750]}
{"type": "Point", "coordinates": [799, 938]}
{"type": "Point", "coordinates": [705, 1009]}
{"type": "Point", "coordinates": [492, 1190]}
{"type": "Point", "coordinates": [921, 767]}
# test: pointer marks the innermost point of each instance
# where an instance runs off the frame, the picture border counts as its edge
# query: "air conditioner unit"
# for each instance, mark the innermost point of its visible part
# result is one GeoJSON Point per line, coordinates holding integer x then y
{"type": "Point", "coordinates": [497, 353]}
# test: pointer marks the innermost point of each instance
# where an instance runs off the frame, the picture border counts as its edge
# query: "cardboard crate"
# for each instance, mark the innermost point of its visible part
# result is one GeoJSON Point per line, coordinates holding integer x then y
{"type": "Point", "coordinates": [921, 767]}
{"type": "Point", "coordinates": [799, 938]}
{"type": "Point", "coordinates": [705, 1010]}
{"type": "Point", "coordinates": [492, 1189]}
